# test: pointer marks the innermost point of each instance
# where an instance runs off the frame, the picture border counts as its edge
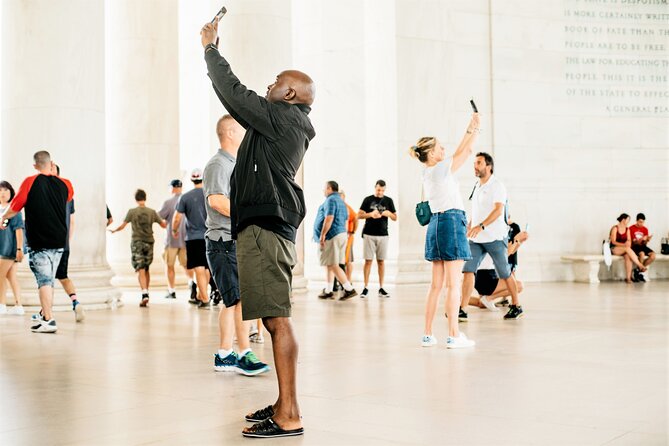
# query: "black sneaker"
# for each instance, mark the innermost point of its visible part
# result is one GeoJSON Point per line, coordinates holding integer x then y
{"type": "Point", "coordinates": [193, 293]}
{"type": "Point", "coordinates": [515, 312]}
{"type": "Point", "coordinates": [326, 295]}
{"type": "Point", "coordinates": [641, 277]}
{"type": "Point", "coordinates": [383, 293]}
{"type": "Point", "coordinates": [171, 295]}
{"type": "Point", "coordinates": [204, 305]}
{"type": "Point", "coordinates": [145, 301]}
{"type": "Point", "coordinates": [348, 294]}
{"type": "Point", "coordinates": [462, 316]}
{"type": "Point", "coordinates": [215, 297]}
{"type": "Point", "coordinates": [364, 293]}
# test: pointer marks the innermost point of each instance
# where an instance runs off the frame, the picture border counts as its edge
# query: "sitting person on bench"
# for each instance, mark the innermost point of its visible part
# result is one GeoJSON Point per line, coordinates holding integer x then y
{"type": "Point", "coordinates": [640, 239]}
{"type": "Point", "coordinates": [621, 245]}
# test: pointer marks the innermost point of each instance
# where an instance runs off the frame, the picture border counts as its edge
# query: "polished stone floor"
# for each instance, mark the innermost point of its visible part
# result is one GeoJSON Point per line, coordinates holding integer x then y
{"type": "Point", "coordinates": [588, 365]}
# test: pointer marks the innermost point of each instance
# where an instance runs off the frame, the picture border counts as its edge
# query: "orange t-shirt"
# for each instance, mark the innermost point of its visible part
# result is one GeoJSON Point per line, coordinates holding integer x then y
{"type": "Point", "coordinates": [352, 217]}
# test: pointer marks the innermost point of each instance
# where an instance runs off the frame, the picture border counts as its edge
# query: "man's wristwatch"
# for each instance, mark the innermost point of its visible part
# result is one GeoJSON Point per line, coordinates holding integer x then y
{"type": "Point", "coordinates": [211, 46]}
{"type": "Point", "coordinates": [482, 226]}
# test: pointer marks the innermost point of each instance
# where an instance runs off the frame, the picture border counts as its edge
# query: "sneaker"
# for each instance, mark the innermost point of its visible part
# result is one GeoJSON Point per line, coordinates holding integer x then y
{"type": "Point", "coordinates": [348, 294]}
{"type": "Point", "coordinates": [193, 293]}
{"type": "Point", "coordinates": [462, 316]}
{"type": "Point", "coordinates": [16, 310]}
{"type": "Point", "coordinates": [3, 307]}
{"type": "Point", "coordinates": [171, 295]}
{"type": "Point", "coordinates": [515, 312]}
{"type": "Point", "coordinates": [489, 305]}
{"type": "Point", "coordinates": [460, 342]}
{"type": "Point", "coordinates": [215, 297]}
{"type": "Point", "coordinates": [45, 326]}
{"type": "Point", "coordinates": [253, 331]}
{"type": "Point", "coordinates": [428, 341]}
{"type": "Point", "coordinates": [383, 293]}
{"type": "Point", "coordinates": [364, 293]}
{"type": "Point", "coordinates": [145, 301]}
{"type": "Point", "coordinates": [641, 276]}
{"type": "Point", "coordinates": [258, 339]}
{"type": "Point", "coordinates": [326, 295]}
{"type": "Point", "coordinates": [250, 365]}
{"type": "Point", "coordinates": [79, 313]}
{"type": "Point", "coordinates": [36, 317]}
{"type": "Point", "coordinates": [204, 305]}
{"type": "Point", "coordinates": [227, 364]}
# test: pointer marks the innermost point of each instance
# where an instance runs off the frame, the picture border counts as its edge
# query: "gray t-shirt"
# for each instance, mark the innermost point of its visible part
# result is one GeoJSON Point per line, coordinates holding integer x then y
{"type": "Point", "coordinates": [191, 204]}
{"type": "Point", "coordinates": [216, 178]}
{"type": "Point", "coordinates": [167, 213]}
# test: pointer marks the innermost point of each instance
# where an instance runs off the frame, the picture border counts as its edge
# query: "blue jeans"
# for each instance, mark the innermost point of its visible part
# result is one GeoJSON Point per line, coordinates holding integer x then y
{"type": "Point", "coordinates": [446, 237]}
{"type": "Point", "coordinates": [222, 259]}
{"type": "Point", "coordinates": [497, 251]}
{"type": "Point", "coordinates": [44, 263]}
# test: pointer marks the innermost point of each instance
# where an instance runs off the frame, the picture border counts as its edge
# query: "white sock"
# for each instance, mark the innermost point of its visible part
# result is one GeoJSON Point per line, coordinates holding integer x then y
{"type": "Point", "coordinates": [242, 353]}
{"type": "Point", "coordinates": [328, 288]}
{"type": "Point", "coordinates": [190, 282]}
{"type": "Point", "coordinates": [170, 290]}
{"type": "Point", "coordinates": [347, 286]}
{"type": "Point", "coordinates": [145, 291]}
{"type": "Point", "coordinates": [224, 353]}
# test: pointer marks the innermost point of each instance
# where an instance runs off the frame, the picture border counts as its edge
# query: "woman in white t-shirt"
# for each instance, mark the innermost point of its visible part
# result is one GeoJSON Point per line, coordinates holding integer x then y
{"type": "Point", "coordinates": [446, 244]}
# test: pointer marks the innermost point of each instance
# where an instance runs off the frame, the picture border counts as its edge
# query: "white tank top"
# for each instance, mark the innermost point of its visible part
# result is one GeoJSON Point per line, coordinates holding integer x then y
{"type": "Point", "coordinates": [441, 188]}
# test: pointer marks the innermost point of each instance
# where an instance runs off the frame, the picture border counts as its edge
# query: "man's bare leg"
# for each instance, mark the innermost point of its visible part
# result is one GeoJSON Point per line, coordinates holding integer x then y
{"type": "Point", "coordinates": [46, 300]}
{"type": "Point", "coordinates": [366, 270]}
{"type": "Point", "coordinates": [380, 264]}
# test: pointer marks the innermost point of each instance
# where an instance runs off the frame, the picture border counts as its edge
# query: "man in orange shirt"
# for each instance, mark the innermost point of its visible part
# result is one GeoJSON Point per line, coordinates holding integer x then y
{"type": "Point", "coordinates": [351, 227]}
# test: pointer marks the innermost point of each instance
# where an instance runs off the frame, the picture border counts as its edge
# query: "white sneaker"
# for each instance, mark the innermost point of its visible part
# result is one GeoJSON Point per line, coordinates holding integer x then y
{"type": "Point", "coordinates": [489, 305]}
{"type": "Point", "coordinates": [257, 338]}
{"type": "Point", "coordinates": [3, 307]}
{"type": "Point", "coordinates": [45, 327]}
{"type": "Point", "coordinates": [428, 341]}
{"type": "Point", "coordinates": [79, 313]}
{"type": "Point", "coordinates": [17, 310]}
{"type": "Point", "coordinates": [460, 342]}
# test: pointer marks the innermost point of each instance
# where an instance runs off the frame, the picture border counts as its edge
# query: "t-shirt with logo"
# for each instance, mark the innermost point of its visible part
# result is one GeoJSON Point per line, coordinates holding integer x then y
{"type": "Point", "coordinates": [638, 233]}
{"type": "Point", "coordinates": [377, 226]}
{"type": "Point", "coordinates": [191, 204]}
{"type": "Point", "coordinates": [142, 219]}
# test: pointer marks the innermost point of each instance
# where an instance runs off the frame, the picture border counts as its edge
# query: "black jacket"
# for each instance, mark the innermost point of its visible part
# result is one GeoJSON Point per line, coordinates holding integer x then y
{"type": "Point", "coordinates": [277, 137]}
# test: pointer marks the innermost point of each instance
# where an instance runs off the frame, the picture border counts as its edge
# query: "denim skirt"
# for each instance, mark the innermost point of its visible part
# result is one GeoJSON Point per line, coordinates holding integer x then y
{"type": "Point", "coordinates": [446, 237]}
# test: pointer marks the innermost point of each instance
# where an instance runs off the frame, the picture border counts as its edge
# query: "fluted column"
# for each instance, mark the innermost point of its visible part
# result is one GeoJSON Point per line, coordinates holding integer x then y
{"type": "Point", "coordinates": [142, 117]}
{"type": "Point", "coordinates": [53, 99]}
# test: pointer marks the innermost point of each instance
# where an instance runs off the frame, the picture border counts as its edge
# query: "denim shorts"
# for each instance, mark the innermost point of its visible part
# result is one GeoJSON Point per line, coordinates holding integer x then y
{"type": "Point", "coordinates": [498, 252]}
{"type": "Point", "coordinates": [222, 259]}
{"type": "Point", "coordinates": [446, 237]}
{"type": "Point", "coordinates": [44, 263]}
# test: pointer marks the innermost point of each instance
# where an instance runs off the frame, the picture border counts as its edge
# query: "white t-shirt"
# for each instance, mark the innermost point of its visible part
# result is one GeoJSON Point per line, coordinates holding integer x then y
{"type": "Point", "coordinates": [441, 188]}
{"type": "Point", "coordinates": [483, 202]}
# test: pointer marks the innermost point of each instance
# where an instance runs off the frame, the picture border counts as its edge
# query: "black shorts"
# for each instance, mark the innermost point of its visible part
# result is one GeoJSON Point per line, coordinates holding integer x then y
{"type": "Point", "coordinates": [638, 249]}
{"type": "Point", "coordinates": [61, 272]}
{"type": "Point", "coordinates": [222, 258]}
{"type": "Point", "coordinates": [196, 254]}
{"type": "Point", "coordinates": [486, 282]}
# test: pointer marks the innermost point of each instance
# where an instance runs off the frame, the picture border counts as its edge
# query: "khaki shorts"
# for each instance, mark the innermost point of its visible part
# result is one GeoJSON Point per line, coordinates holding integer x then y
{"type": "Point", "coordinates": [375, 245]}
{"type": "Point", "coordinates": [170, 256]}
{"type": "Point", "coordinates": [265, 263]}
{"type": "Point", "coordinates": [334, 251]}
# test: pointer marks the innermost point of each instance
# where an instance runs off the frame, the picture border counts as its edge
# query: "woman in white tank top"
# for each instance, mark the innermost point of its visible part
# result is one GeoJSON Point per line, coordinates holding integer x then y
{"type": "Point", "coordinates": [446, 244]}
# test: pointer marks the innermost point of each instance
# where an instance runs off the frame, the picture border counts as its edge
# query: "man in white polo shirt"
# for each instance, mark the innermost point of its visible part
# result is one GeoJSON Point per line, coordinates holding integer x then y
{"type": "Point", "coordinates": [488, 232]}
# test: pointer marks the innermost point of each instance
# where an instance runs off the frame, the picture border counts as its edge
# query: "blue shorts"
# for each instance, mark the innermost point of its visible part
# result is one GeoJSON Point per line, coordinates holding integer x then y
{"type": "Point", "coordinates": [44, 263]}
{"type": "Point", "coordinates": [222, 259]}
{"type": "Point", "coordinates": [498, 253]}
{"type": "Point", "coordinates": [446, 237]}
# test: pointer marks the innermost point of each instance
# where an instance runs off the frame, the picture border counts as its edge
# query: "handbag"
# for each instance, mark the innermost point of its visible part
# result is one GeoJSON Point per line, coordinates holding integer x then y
{"type": "Point", "coordinates": [423, 211]}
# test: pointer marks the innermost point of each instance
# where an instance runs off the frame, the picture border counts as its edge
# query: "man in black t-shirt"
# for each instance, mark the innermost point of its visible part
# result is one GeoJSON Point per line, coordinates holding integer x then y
{"type": "Point", "coordinates": [376, 210]}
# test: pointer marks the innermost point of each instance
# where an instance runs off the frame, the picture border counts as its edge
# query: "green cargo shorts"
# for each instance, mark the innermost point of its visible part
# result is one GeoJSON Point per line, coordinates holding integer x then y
{"type": "Point", "coordinates": [141, 254]}
{"type": "Point", "coordinates": [265, 262]}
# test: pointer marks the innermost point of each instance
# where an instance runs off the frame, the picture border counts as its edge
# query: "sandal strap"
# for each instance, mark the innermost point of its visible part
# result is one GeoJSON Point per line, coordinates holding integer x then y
{"type": "Point", "coordinates": [263, 414]}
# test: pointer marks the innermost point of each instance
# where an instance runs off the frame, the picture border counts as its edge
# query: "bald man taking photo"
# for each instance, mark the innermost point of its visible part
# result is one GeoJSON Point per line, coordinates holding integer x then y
{"type": "Point", "coordinates": [267, 207]}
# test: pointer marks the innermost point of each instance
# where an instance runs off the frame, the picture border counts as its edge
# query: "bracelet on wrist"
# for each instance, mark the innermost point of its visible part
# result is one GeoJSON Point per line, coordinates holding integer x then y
{"type": "Point", "coordinates": [210, 46]}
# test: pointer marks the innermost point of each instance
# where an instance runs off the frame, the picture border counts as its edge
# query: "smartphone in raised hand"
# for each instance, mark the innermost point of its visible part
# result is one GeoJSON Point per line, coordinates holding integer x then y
{"type": "Point", "coordinates": [219, 15]}
{"type": "Point", "coordinates": [474, 109]}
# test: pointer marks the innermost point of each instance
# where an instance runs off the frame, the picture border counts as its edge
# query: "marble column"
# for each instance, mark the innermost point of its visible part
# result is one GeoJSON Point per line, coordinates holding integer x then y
{"type": "Point", "coordinates": [53, 99]}
{"type": "Point", "coordinates": [142, 118]}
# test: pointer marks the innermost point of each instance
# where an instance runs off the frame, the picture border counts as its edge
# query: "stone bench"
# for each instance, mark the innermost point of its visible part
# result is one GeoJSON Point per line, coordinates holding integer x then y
{"type": "Point", "coordinates": [590, 268]}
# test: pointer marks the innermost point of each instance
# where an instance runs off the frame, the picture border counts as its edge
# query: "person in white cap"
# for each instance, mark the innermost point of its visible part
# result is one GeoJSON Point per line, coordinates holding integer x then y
{"type": "Point", "coordinates": [192, 206]}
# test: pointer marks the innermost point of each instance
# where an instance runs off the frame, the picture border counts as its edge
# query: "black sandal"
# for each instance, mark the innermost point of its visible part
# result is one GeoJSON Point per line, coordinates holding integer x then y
{"type": "Point", "coordinates": [269, 429]}
{"type": "Point", "coordinates": [260, 415]}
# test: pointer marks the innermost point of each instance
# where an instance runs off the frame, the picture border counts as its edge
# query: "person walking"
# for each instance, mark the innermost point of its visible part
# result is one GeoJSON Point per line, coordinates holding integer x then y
{"type": "Point", "coordinates": [11, 252]}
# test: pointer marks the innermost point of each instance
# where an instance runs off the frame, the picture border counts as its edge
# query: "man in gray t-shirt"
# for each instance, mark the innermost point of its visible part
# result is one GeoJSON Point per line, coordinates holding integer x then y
{"type": "Point", "coordinates": [174, 247]}
{"type": "Point", "coordinates": [191, 205]}
{"type": "Point", "coordinates": [222, 253]}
